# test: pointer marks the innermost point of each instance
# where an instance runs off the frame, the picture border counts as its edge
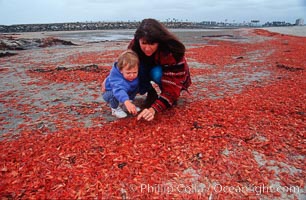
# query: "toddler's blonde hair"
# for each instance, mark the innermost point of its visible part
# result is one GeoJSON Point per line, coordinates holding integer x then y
{"type": "Point", "coordinates": [128, 59]}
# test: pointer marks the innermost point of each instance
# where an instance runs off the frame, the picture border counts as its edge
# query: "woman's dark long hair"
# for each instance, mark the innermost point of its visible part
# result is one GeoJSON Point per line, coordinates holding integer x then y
{"type": "Point", "coordinates": [154, 32]}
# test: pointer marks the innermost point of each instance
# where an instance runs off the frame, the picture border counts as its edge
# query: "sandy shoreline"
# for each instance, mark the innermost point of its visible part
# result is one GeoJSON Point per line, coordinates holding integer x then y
{"type": "Point", "coordinates": [57, 55]}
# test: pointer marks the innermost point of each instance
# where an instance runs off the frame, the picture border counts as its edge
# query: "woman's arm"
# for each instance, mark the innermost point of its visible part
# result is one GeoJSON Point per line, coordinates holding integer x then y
{"type": "Point", "coordinates": [175, 79]}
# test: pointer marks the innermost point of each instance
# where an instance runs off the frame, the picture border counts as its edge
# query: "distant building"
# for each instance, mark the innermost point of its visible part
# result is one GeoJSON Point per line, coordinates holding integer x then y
{"type": "Point", "coordinates": [255, 22]}
{"type": "Point", "coordinates": [277, 23]}
{"type": "Point", "coordinates": [299, 22]}
{"type": "Point", "coordinates": [209, 23]}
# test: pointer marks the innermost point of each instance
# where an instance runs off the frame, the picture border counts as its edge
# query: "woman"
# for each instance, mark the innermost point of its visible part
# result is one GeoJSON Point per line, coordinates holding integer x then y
{"type": "Point", "coordinates": [162, 60]}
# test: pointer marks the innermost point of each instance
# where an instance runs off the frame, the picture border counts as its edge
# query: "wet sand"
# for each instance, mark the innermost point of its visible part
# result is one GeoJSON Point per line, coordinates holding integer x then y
{"type": "Point", "coordinates": [14, 68]}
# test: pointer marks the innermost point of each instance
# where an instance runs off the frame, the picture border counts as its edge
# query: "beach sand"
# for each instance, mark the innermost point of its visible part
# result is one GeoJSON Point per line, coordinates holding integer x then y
{"type": "Point", "coordinates": [243, 123]}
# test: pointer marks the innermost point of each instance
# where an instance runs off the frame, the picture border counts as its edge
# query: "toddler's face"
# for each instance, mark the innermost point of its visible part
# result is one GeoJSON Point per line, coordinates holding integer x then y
{"type": "Point", "coordinates": [130, 74]}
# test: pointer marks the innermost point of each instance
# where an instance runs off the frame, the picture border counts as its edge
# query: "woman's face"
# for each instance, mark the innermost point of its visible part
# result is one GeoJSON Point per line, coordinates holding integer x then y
{"type": "Point", "coordinates": [147, 49]}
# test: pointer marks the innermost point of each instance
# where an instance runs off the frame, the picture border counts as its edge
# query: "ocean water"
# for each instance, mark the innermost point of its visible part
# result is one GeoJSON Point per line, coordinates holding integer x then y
{"type": "Point", "coordinates": [95, 36]}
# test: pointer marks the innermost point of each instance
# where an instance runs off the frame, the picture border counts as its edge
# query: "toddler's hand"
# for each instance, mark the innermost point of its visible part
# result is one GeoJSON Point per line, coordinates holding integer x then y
{"type": "Point", "coordinates": [130, 107]}
{"type": "Point", "coordinates": [103, 86]}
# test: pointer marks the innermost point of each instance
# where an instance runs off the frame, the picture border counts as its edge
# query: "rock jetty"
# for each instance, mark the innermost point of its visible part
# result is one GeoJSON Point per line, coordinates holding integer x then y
{"type": "Point", "coordinates": [88, 26]}
{"type": "Point", "coordinates": [12, 43]}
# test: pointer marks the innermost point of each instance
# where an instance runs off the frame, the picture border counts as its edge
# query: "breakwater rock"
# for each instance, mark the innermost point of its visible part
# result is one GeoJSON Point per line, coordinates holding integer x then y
{"type": "Point", "coordinates": [11, 43]}
{"type": "Point", "coordinates": [88, 26]}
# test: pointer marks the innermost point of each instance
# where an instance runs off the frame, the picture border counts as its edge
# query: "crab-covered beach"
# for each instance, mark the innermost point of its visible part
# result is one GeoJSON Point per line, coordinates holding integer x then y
{"type": "Point", "coordinates": [239, 133]}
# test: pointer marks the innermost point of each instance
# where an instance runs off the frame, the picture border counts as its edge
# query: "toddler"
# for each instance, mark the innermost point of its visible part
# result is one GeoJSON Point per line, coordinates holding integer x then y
{"type": "Point", "coordinates": [121, 85]}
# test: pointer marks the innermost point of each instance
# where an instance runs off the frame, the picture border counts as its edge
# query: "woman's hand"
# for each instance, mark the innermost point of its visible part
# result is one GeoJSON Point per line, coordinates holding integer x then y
{"type": "Point", "coordinates": [147, 114]}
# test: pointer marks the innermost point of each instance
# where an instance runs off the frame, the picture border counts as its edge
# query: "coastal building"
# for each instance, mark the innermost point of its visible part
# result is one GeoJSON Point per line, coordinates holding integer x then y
{"type": "Point", "coordinates": [278, 23]}
{"type": "Point", "coordinates": [299, 22]}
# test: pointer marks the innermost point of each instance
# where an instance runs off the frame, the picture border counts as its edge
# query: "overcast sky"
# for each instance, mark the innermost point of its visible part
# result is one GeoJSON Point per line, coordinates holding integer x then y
{"type": "Point", "coordinates": [54, 11]}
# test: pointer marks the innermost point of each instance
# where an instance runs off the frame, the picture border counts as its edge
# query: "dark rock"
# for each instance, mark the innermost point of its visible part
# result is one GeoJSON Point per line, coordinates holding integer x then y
{"type": "Point", "coordinates": [6, 54]}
